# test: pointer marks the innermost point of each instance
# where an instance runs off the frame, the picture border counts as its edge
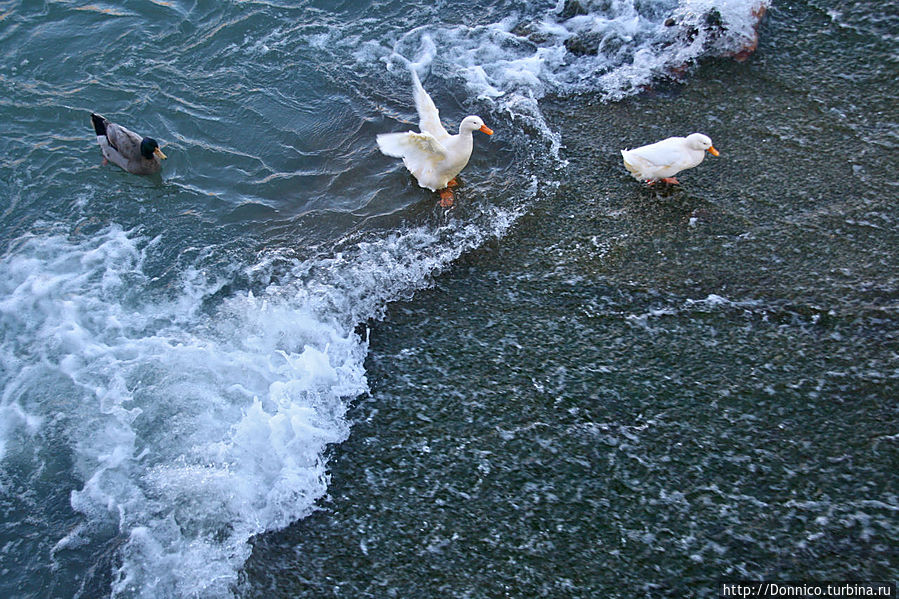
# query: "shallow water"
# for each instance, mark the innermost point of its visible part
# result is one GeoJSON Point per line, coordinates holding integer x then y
{"type": "Point", "coordinates": [280, 369]}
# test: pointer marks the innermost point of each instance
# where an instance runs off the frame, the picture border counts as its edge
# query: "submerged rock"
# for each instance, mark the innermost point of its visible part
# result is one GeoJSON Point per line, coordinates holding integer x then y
{"type": "Point", "coordinates": [586, 44]}
{"type": "Point", "coordinates": [751, 44]}
{"type": "Point", "coordinates": [713, 27]}
{"type": "Point", "coordinates": [572, 8]}
{"type": "Point", "coordinates": [531, 32]}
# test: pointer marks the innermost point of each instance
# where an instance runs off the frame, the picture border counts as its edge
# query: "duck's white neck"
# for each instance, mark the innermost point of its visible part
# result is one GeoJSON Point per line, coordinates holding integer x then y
{"type": "Point", "coordinates": [463, 139]}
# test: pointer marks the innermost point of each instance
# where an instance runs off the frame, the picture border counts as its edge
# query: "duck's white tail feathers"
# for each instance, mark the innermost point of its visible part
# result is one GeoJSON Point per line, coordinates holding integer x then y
{"type": "Point", "coordinates": [625, 156]}
{"type": "Point", "coordinates": [639, 167]}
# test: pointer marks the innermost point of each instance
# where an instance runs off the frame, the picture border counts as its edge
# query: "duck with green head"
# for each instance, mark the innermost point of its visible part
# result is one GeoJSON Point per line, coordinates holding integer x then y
{"type": "Point", "coordinates": [121, 146]}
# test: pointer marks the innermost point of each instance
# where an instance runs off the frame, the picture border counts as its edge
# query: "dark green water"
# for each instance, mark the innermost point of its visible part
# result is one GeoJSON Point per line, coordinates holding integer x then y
{"type": "Point", "coordinates": [640, 392]}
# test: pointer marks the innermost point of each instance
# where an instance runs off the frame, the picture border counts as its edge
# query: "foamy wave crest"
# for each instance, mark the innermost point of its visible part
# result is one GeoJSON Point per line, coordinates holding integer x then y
{"type": "Point", "coordinates": [614, 47]}
{"type": "Point", "coordinates": [191, 432]}
{"type": "Point", "coordinates": [192, 429]}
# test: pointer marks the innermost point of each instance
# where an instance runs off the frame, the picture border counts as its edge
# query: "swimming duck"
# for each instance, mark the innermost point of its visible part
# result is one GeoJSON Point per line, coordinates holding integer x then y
{"type": "Point", "coordinates": [433, 156]}
{"type": "Point", "coordinates": [664, 159]}
{"type": "Point", "coordinates": [135, 154]}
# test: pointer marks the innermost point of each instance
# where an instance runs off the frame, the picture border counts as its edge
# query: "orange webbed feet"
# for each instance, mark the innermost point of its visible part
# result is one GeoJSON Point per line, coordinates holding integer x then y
{"type": "Point", "coordinates": [446, 197]}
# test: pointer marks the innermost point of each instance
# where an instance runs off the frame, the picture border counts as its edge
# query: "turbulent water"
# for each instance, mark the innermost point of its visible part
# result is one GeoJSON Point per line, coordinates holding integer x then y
{"type": "Point", "coordinates": [239, 378]}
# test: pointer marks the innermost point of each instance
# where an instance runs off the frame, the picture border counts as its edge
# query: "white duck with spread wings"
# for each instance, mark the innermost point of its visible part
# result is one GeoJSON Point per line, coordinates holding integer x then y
{"type": "Point", "coordinates": [433, 156]}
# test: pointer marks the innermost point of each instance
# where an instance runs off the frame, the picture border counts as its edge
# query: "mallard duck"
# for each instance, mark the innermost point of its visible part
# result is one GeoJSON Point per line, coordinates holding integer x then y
{"type": "Point", "coordinates": [135, 154]}
{"type": "Point", "coordinates": [433, 156]}
{"type": "Point", "coordinates": [664, 159]}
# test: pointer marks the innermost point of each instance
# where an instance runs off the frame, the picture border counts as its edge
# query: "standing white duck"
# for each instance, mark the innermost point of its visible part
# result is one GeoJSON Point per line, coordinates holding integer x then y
{"type": "Point", "coordinates": [433, 156]}
{"type": "Point", "coordinates": [664, 159]}
{"type": "Point", "coordinates": [135, 154]}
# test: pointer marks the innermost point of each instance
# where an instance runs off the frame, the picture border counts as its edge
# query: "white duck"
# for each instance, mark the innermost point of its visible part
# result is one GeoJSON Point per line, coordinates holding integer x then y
{"type": "Point", "coordinates": [135, 154]}
{"type": "Point", "coordinates": [433, 156]}
{"type": "Point", "coordinates": [664, 159]}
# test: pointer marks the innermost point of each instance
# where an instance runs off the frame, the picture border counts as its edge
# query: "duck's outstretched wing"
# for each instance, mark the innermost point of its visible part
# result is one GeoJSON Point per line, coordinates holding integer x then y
{"type": "Point", "coordinates": [423, 155]}
{"type": "Point", "coordinates": [411, 144]}
{"type": "Point", "coordinates": [428, 115]}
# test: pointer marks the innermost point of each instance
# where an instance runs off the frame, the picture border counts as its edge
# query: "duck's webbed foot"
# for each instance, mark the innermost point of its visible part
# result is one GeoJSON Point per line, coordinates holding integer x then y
{"type": "Point", "coordinates": [446, 197]}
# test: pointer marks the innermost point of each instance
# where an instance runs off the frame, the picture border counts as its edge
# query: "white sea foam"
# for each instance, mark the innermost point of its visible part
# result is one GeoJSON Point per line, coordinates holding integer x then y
{"type": "Point", "coordinates": [614, 47]}
{"type": "Point", "coordinates": [190, 431]}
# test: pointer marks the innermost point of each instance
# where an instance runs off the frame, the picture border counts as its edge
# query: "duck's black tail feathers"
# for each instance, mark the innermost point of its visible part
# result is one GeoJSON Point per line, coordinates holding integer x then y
{"type": "Point", "coordinates": [99, 124]}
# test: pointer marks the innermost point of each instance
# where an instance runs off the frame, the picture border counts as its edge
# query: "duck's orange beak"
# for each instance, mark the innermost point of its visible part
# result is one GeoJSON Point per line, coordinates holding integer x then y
{"type": "Point", "coordinates": [159, 153]}
{"type": "Point", "coordinates": [486, 129]}
{"type": "Point", "coordinates": [712, 151]}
